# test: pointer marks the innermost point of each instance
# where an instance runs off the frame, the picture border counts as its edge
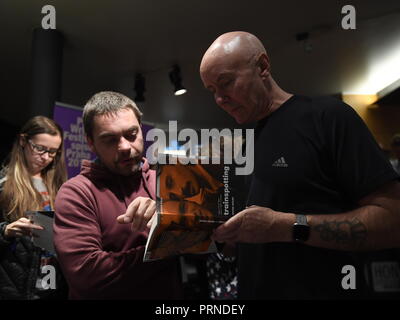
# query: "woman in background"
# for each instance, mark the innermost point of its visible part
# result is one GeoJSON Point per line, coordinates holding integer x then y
{"type": "Point", "coordinates": [29, 182]}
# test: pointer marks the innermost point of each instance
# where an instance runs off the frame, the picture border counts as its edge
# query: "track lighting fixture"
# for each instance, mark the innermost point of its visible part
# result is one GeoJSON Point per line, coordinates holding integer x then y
{"type": "Point", "coordinates": [176, 80]}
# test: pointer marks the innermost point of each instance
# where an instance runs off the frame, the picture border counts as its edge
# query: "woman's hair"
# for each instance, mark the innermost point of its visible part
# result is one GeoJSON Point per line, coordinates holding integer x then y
{"type": "Point", "coordinates": [18, 194]}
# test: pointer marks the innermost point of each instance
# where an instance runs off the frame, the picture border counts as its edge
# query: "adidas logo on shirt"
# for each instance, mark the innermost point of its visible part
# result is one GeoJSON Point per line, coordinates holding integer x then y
{"type": "Point", "coordinates": [280, 163]}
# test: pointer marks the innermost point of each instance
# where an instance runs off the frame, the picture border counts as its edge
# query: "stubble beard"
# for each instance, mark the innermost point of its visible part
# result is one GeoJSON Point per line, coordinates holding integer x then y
{"type": "Point", "coordinates": [132, 169]}
{"type": "Point", "coordinates": [121, 170]}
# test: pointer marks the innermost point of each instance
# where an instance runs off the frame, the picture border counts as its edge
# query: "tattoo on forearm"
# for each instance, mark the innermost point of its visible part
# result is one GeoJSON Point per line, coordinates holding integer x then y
{"type": "Point", "coordinates": [346, 232]}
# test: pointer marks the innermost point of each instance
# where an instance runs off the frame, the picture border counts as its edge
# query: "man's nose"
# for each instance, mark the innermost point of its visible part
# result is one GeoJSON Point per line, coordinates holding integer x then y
{"type": "Point", "coordinates": [124, 144]}
{"type": "Point", "coordinates": [220, 98]}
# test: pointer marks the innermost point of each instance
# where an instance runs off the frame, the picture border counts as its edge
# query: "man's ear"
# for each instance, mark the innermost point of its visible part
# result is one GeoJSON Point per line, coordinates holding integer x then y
{"type": "Point", "coordinates": [90, 143]}
{"type": "Point", "coordinates": [263, 65]}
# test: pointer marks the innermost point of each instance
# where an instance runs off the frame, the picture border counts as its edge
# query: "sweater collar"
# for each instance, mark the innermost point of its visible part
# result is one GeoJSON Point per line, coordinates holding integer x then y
{"type": "Point", "coordinates": [95, 169]}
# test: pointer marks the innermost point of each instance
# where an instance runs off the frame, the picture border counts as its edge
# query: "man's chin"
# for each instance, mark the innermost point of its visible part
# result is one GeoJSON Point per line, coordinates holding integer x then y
{"type": "Point", "coordinates": [241, 120]}
{"type": "Point", "coordinates": [239, 116]}
{"type": "Point", "coordinates": [128, 171]}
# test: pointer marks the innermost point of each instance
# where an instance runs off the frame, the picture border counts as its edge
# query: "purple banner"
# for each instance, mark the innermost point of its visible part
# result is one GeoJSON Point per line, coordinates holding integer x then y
{"type": "Point", "coordinates": [146, 144]}
{"type": "Point", "coordinates": [75, 146]}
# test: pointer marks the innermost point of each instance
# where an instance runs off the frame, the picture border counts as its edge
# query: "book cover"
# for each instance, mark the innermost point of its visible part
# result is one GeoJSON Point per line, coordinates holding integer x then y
{"type": "Point", "coordinates": [192, 200]}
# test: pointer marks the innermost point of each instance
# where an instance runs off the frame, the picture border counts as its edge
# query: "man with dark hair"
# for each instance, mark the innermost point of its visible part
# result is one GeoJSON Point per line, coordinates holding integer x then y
{"type": "Point", "coordinates": [102, 215]}
{"type": "Point", "coordinates": [322, 193]}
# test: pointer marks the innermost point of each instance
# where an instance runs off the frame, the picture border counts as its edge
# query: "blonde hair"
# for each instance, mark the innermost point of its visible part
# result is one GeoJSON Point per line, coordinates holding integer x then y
{"type": "Point", "coordinates": [18, 194]}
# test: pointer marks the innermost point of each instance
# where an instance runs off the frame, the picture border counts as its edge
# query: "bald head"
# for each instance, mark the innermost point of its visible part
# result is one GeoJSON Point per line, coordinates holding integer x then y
{"type": "Point", "coordinates": [236, 69]}
{"type": "Point", "coordinates": [239, 46]}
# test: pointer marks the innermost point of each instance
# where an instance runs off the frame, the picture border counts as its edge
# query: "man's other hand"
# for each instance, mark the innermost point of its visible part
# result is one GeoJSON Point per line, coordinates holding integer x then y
{"type": "Point", "coordinates": [254, 225]}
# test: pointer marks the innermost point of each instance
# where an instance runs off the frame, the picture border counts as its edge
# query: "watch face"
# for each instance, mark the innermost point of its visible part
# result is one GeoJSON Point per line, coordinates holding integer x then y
{"type": "Point", "coordinates": [301, 232]}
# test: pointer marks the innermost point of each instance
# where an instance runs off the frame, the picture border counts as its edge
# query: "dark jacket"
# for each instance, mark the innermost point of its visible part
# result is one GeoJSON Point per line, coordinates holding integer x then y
{"type": "Point", "coordinates": [20, 268]}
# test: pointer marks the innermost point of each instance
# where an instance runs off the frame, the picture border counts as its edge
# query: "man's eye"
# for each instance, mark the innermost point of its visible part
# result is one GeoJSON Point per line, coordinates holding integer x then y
{"type": "Point", "coordinates": [226, 83]}
{"type": "Point", "coordinates": [110, 140]}
{"type": "Point", "coordinates": [131, 136]}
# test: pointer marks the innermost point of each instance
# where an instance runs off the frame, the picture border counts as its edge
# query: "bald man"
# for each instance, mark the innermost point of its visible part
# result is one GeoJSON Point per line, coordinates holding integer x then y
{"type": "Point", "coordinates": [323, 195]}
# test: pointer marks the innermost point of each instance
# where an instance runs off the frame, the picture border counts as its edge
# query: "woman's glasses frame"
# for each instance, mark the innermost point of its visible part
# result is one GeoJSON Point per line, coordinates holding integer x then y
{"type": "Point", "coordinates": [42, 150]}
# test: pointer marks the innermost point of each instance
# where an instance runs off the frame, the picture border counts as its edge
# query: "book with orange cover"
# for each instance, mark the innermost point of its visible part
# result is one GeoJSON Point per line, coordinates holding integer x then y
{"type": "Point", "coordinates": [192, 200]}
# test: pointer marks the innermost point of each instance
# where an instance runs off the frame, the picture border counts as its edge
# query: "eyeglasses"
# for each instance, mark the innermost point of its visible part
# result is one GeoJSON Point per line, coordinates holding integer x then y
{"type": "Point", "coordinates": [42, 150]}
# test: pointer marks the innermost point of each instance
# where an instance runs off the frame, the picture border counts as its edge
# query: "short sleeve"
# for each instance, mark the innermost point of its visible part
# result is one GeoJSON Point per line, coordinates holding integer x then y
{"type": "Point", "coordinates": [360, 166]}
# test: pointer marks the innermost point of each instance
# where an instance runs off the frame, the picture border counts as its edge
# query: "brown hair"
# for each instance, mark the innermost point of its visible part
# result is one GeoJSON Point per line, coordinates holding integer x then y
{"type": "Point", "coordinates": [107, 102]}
{"type": "Point", "coordinates": [19, 195]}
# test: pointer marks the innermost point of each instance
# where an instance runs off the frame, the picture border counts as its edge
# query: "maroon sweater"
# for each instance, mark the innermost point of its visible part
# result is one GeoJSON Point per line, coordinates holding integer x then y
{"type": "Point", "coordinates": [100, 258]}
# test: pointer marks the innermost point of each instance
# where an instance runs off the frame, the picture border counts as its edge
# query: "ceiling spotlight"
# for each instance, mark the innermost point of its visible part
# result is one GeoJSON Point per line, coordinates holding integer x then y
{"type": "Point", "coordinates": [175, 77]}
{"type": "Point", "coordinates": [140, 87]}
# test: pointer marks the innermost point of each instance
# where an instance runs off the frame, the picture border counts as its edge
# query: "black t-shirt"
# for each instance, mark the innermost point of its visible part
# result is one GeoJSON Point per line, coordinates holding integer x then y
{"type": "Point", "coordinates": [312, 156]}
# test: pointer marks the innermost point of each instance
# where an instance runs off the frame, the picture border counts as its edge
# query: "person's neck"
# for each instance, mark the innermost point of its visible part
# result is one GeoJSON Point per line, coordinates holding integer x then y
{"type": "Point", "coordinates": [37, 175]}
{"type": "Point", "coordinates": [278, 97]}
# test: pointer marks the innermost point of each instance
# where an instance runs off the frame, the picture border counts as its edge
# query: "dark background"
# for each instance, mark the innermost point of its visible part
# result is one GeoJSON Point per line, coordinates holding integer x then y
{"type": "Point", "coordinates": [107, 42]}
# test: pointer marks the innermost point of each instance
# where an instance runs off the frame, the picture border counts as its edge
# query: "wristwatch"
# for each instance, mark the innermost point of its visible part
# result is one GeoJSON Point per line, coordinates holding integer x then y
{"type": "Point", "coordinates": [301, 229]}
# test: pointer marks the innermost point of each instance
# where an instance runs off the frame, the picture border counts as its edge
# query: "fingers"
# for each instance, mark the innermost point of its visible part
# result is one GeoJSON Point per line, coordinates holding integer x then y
{"type": "Point", "coordinates": [20, 228]}
{"type": "Point", "coordinates": [143, 214]}
{"type": "Point", "coordinates": [231, 237]}
{"type": "Point", "coordinates": [252, 225]}
{"type": "Point", "coordinates": [15, 231]}
{"type": "Point", "coordinates": [232, 230]}
{"type": "Point", "coordinates": [24, 220]}
{"type": "Point", "coordinates": [127, 217]}
{"type": "Point", "coordinates": [228, 232]}
{"type": "Point", "coordinates": [151, 221]}
{"type": "Point", "coordinates": [27, 225]}
{"type": "Point", "coordinates": [139, 213]}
